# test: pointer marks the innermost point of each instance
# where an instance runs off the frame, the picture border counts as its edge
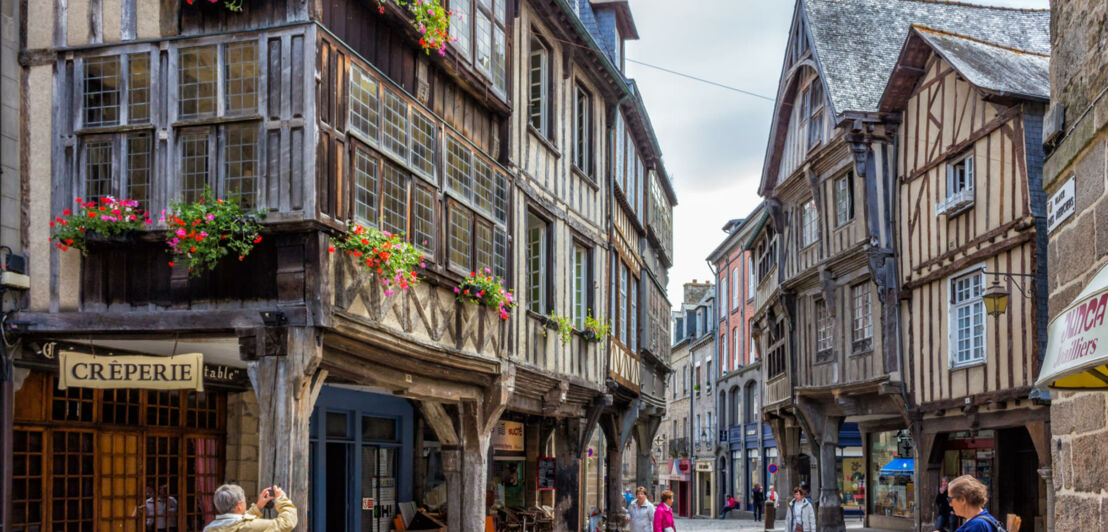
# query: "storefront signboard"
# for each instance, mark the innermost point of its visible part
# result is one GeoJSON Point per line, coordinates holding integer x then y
{"type": "Point", "coordinates": [547, 468]}
{"type": "Point", "coordinates": [1077, 341]}
{"type": "Point", "coordinates": [84, 370]}
{"type": "Point", "coordinates": [508, 436]}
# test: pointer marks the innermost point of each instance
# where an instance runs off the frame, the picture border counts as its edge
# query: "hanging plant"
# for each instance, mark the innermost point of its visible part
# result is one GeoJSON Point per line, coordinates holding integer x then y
{"type": "Point", "coordinates": [596, 329]}
{"type": "Point", "coordinates": [486, 290]}
{"type": "Point", "coordinates": [383, 253]}
{"type": "Point", "coordinates": [208, 229]}
{"type": "Point", "coordinates": [562, 324]}
{"type": "Point", "coordinates": [231, 5]}
{"type": "Point", "coordinates": [431, 19]}
{"type": "Point", "coordinates": [93, 221]}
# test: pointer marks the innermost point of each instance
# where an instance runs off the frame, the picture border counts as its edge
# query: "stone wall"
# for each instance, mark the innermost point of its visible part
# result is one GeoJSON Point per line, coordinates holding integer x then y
{"type": "Point", "coordinates": [242, 441]}
{"type": "Point", "coordinates": [1078, 249]}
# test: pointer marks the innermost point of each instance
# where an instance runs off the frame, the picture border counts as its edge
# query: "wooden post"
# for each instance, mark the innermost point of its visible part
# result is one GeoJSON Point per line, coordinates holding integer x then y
{"type": "Point", "coordinates": [646, 428]}
{"type": "Point", "coordinates": [567, 480]}
{"type": "Point", "coordinates": [477, 420]}
{"type": "Point", "coordinates": [287, 386]}
{"type": "Point", "coordinates": [830, 518]}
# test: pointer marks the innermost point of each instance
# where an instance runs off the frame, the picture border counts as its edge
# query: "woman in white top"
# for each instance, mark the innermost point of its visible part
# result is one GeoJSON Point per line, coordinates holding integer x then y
{"type": "Point", "coordinates": [641, 512]}
{"type": "Point", "coordinates": [801, 517]}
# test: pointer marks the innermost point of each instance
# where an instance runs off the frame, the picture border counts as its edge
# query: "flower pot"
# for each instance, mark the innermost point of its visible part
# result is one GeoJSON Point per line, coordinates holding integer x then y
{"type": "Point", "coordinates": [590, 336]}
{"type": "Point", "coordinates": [94, 239]}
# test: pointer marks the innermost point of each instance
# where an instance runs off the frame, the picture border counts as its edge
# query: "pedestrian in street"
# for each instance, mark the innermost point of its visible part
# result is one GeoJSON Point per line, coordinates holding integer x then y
{"type": "Point", "coordinates": [800, 517]}
{"type": "Point", "coordinates": [758, 498]}
{"type": "Point", "coordinates": [230, 502]}
{"type": "Point", "coordinates": [627, 497]}
{"type": "Point", "coordinates": [968, 497]}
{"type": "Point", "coordinates": [641, 512]}
{"type": "Point", "coordinates": [663, 514]}
{"type": "Point", "coordinates": [942, 505]}
{"type": "Point", "coordinates": [732, 504]}
{"type": "Point", "coordinates": [771, 495]}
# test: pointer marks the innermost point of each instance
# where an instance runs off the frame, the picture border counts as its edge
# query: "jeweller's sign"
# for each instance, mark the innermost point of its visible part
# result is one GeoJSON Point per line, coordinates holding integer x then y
{"type": "Point", "coordinates": [178, 372]}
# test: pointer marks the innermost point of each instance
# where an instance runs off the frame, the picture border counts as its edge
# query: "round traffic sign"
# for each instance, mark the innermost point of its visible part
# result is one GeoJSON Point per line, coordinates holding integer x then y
{"type": "Point", "coordinates": [772, 468]}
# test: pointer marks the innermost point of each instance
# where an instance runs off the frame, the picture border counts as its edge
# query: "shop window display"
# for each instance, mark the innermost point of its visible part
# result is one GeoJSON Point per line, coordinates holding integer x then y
{"type": "Point", "coordinates": [852, 478]}
{"type": "Point", "coordinates": [970, 453]}
{"type": "Point", "coordinates": [893, 476]}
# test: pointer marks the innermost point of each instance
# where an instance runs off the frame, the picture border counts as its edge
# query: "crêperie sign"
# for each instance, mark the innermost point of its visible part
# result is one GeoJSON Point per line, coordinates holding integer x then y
{"type": "Point", "coordinates": [177, 372]}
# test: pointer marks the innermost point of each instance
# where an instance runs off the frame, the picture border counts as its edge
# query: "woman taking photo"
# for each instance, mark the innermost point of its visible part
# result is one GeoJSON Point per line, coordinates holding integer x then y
{"type": "Point", "coordinates": [663, 514]}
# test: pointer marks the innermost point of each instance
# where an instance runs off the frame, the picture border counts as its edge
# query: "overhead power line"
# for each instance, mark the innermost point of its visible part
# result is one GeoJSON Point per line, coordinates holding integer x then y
{"type": "Point", "coordinates": [674, 72]}
{"type": "Point", "coordinates": [702, 80]}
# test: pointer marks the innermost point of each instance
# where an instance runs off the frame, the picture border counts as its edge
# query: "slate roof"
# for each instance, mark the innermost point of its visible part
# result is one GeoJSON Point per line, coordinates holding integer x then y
{"type": "Point", "coordinates": [857, 42]}
{"type": "Point", "coordinates": [993, 67]}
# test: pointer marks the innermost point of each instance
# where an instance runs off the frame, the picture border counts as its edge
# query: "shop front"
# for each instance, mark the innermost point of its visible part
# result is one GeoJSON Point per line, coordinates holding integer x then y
{"type": "Point", "coordinates": [738, 476]}
{"type": "Point", "coordinates": [677, 480]}
{"type": "Point", "coordinates": [361, 459]}
{"type": "Point", "coordinates": [891, 473]}
{"type": "Point", "coordinates": [111, 441]}
{"type": "Point", "coordinates": [705, 501]}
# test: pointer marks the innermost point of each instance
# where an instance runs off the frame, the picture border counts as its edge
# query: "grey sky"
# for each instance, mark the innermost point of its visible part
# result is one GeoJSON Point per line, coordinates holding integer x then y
{"type": "Point", "coordinates": [713, 139]}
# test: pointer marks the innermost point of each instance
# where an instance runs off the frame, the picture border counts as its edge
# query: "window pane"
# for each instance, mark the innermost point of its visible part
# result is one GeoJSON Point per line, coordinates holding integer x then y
{"type": "Point", "coordinates": [363, 103]}
{"type": "Point", "coordinates": [460, 26]}
{"type": "Point", "coordinates": [458, 168]}
{"type": "Point", "coordinates": [624, 311]}
{"type": "Point", "coordinates": [537, 86]}
{"type": "Point", "coordinates": [138, 91]}
{"type": "Point", "coordinates": [460, 223]}
{"type": "Point", "coordinates": [394, 133]}
{"type": "Point", "coordinates": [500, 253]}
{"type": "Point", "coordinates": [242, 77]}
{"type": "Point", "coordinates": [581, 130]}
{"type": "Point", "coordinates": [98, 169]}
{"type": "Point", "coordinates": [196, 79]}
{"type": "Point", "coordinates": [634, 310]}
{"type": "Point", "coordinates": [194, 165]}
{"type": "Point", "coordinates": [499, 59]}
{"type": "Point", "coordinates": [483, 61]}
{"type": "Point", "coordinates": [423, 144]}
{"type": "Point", "coordinates": [423, 218]}
{"type": "Point", "coordinates": [394, 205]}
{"type": "Point", "coordinates": [482, 185]}
{"type": "Point", "coordinates": [536, 259]}
{"type": "Point", "coordinates": [378, 429]}
{"type": "Point", "coordinates": [102, 91]}
{"type": "Point", "coordinates": [365, 187]}
{"type": "Point", "coordinates": [240, 157]}
{"type": "Point", "coordinates": [483, 240]}
{"type": "Point", "coordinates": [138, 168]}
{"type": "Point", "coordinates": [501, 204]}
{"type": "Point", "coordinates": [580, 281]}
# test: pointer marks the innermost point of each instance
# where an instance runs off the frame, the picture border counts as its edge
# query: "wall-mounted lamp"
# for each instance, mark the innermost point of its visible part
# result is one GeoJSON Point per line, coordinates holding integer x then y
{"type": "Point", "coordinates": [996, 296]}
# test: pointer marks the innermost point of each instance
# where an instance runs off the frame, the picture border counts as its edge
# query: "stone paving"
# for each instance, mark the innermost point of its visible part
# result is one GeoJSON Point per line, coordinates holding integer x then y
{"type": "Point", "coordinates": [746, 525]}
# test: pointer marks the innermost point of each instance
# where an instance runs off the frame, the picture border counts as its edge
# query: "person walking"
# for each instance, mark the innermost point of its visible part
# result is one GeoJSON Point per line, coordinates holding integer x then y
{"type": "Point", "coordinates": [800, 517]}
{"type": "Point", "coordinates": [731, 505]}
{"type": "Point", "coordinates": [663, 514]}
{"type": "Point", "coordinates": [942, 505]}
{"type": "Point", "coordinates": [627, 497]}
{"type": "Point", "coordinates": [758, 498]}
{"type": "Point", "coordinates": [230, 502]}
{"type": "Point", "coordinates": [968, 497]}
{"type": "Point", "coordinates": [771, 496]}
{"type": "Point", "coordinates": [641, 512]}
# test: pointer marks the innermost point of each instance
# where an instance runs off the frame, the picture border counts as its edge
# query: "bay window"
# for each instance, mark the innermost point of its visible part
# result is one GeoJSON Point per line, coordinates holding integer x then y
{"type": "Point", "coordinates": [480, 28]}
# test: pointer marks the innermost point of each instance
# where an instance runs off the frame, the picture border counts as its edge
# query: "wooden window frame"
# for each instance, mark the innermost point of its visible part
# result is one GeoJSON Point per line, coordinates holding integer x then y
{"type": "Point", "coordinates": [809, 222]}
{"type": "Point", "coordinates": [825, 330]}
{"type": "Point", "coordinates": [545, 85]}
{"type": "Point", "coordinates": [471, 40]}
{"type": "Point", "coordinates": [539, 298]}
{"type": "Point", "coordinates": [736, 289]}
{"type": "Point", "coordinates": [844, 199]}
{"type": "Point", "coordinates": [975, 306]}
{"type": "Point", "coordinates": [861, 317]}
{"type": "Point", "coordinates": [583, 129]}
{"type": "Point", "coordinates": [815, 107]}
{"type": "Point", "coordinates": [582, 283]}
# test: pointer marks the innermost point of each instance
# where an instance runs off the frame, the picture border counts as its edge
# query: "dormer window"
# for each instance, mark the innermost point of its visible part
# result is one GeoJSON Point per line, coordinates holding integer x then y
{"type": "Point", "coordinates": [815, 114]}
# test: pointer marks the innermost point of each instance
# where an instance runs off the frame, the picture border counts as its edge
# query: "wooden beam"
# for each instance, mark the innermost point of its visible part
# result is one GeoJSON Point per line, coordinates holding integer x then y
{"type": "Point", "coordinates": [986, 420]}
{"type": "Point", "coordinates": [442, 365]}
{"type": "Point", "coordinates": [409, 385]}
{"type": "Point", "coordinates": [440, 422]}
{"type": "Point", "coordinates": [159, 321]}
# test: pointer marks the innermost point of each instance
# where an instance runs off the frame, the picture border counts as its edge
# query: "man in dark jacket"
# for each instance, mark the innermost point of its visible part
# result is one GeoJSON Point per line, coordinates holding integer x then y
{"type": "Point", "coordinates": [944, 523]}
{"type": "Point", "coordinates": [758, 498]}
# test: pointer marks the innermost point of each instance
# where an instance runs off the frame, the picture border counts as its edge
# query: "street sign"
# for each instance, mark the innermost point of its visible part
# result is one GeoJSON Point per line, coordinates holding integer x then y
{"type": "Point", "coordinates": [367, 503]}
{"type": "Point", "coordinates": [772, 468]}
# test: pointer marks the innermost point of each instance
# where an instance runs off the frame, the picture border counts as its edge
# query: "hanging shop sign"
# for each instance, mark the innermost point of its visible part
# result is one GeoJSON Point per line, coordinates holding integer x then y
{"type": "Point", "coordinates": [508, 436]}
{"type": "Point", "coordinates": [84, 370]}
{"type": "Point", "coordinates": [1077, 341]}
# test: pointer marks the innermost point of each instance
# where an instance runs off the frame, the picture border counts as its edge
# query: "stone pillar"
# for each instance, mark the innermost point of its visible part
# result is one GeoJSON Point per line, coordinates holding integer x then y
{"type": "Point", "coordinates": [830, 518]}
{"type": "Point", "coordinates": [287, 380]}
{"type": "Point", "coordinates": [567, 483]}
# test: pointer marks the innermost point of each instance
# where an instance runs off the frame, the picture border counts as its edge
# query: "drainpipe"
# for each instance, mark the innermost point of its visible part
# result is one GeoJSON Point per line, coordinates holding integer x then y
{"type": "Point", "coordinates": [7, 386]}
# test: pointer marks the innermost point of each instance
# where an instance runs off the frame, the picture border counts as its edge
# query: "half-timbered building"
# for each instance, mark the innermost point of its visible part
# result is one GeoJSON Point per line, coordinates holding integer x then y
{"type": "Point", "coordinates": [492, 157]}
{"type": "Point", "coordinates": [830, 328]}
{"type": "Point", "coordinates": [972, 215]}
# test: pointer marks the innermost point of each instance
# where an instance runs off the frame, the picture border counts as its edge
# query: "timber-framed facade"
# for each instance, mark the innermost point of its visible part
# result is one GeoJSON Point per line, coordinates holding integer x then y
{"type": "Point", "coordinates": [321, 113]}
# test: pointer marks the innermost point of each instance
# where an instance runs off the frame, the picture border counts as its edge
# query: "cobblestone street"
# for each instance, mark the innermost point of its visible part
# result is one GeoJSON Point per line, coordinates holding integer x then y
{"type": "Point", "coordinates": [745, 525]}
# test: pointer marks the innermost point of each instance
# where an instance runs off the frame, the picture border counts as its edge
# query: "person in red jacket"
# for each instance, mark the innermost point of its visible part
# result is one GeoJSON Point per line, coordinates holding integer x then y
{"type": "Point", "coordinates": [663, 514]}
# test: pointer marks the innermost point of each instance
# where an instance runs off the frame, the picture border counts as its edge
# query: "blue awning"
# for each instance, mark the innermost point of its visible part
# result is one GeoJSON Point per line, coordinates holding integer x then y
{"type": "Point", "coordinates": [899, 466]}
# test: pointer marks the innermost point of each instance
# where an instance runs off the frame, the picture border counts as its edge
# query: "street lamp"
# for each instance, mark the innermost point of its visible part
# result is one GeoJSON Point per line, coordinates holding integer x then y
{"type": "Point", "coordinates": [995, 297]}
